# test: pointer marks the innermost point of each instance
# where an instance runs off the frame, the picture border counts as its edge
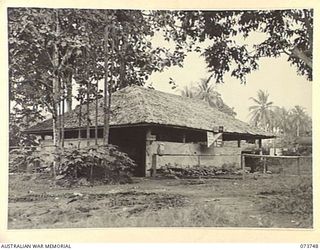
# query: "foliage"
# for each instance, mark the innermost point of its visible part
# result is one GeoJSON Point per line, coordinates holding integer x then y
{"type": "Point", "coordinates": [77, 35]}
{"type": "Point", "coordinates": [206, 92]}
{"type": "Point", "coordinates": [26, 159]}
{"type": "Point", "coordinates": [288, 32]}
{"type": "Point", "coordinates": [287, 124]}
{"type": "Point", "coordinates": [281, 120]}
{"type": "Point", "coordinates": [296, 200]}
{"type": "Point", "coordinates": [17, 137]}
{"type": "Point", "coordinates": [261, 112]}
{"type": "Point", "coordinates": [105, 163]}
{"type": "Point", "coordinates": [48, 48]}
{"type": "Point", "coordinates": [177, 171]}
{"type": "Point", "coordinates": [300, 120]}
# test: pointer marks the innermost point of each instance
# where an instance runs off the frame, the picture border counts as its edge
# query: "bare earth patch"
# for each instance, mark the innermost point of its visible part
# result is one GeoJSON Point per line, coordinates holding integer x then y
{"type": "Point", "coordinates": [263, 201]}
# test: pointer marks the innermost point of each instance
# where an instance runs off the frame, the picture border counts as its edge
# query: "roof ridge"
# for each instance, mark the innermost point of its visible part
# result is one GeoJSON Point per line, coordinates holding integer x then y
{"type": "Point", "coordinates": [189, 99]}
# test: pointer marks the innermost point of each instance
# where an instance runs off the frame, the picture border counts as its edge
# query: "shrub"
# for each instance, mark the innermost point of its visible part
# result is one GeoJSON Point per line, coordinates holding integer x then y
{"type": "Point", "coordinates": [27, 159]}
{"type": "Point", "coordinates": [170, 171]}
{"type": "Point", "coordinates": [104, 163]}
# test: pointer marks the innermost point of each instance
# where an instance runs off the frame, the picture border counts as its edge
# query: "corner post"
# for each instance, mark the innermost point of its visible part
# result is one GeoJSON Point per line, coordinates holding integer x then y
{"type": "Point", "coordinates": [148, 151]}
{"type": "Point", "coordinates": [243, 165]}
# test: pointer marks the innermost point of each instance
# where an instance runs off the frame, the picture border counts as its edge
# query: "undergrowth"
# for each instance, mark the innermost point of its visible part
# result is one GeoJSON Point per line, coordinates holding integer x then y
{"type": "Point", "coordinates": [295, 199]}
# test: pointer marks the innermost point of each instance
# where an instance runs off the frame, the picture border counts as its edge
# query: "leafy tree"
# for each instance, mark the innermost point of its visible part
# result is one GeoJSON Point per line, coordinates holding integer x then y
{"type": "Point", "coordinates": [47, 48]}
{"type": "Point", "coordinates": [41, 43]}
{"type": "Point", "coordinates": [261, 113]}
{"type": "Point", "coordinates": [285, 32]}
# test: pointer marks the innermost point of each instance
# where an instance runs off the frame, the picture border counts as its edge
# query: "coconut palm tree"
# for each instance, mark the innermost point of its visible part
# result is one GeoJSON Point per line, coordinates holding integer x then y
{"type": "Point", "coordinates": [188, 91]}
{"type": "Point", "coordinates": [261, 112]}
{"type": "Point", "coordinates": [281, 120]}
{"type": "Point", "coordinates": [207, 92]}
{"type": "Point", "coordinates": [299, 120]}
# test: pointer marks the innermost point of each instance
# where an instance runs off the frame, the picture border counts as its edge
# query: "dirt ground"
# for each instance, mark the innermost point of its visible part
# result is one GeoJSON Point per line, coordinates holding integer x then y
{"type": "Point", "coordinates": [35, 203]}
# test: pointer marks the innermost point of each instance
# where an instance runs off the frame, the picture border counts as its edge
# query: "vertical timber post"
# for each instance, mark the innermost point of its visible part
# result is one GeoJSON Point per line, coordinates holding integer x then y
{"type": "Point", "coordinates": [148, 152]}
{"type": "Point", "coordinates": [260, 145]}
{"type": "Point", "coordinates": [243, 165]}
{"type": "Point", "coordinates": [184, 137]}
{"type": "Point", "coordinates": [154, 165]}
{"type": "Point", "coordinates": [261, 153]}
{"type": "Point", "coordinates": [264, 164]}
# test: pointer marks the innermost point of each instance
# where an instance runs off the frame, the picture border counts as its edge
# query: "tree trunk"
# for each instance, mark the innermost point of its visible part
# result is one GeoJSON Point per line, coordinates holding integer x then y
{"type": "Point", "coordinates": [106, 87]}
{"type": "Point", "coordinates": [62, 116]}
{"type": "Point", "coordinates": [68, 86]}
{"type": "Point", "coordinates": [80, 114]}
{"type": "Point", "coordinates": [111, 82]}
{"type": "Point", "coordinates": [56, 129]}
{"type": "Point", "coordinates": [96, 116]}
{"type": "Point", "coordinates": [56, 101]}
{"type": "Point", "coordinates": [88, 118]}
{"type": "Point", "coordinates": [122, 63]}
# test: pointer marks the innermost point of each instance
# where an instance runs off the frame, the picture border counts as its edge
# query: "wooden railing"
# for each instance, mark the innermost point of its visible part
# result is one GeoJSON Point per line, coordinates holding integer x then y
{"type": "Point", "coordinates": [265, 157]}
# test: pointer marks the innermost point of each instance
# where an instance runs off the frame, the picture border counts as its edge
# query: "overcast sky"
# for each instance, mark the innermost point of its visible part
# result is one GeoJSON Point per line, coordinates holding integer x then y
{"type": "Point", "coordinates": [275, 75]}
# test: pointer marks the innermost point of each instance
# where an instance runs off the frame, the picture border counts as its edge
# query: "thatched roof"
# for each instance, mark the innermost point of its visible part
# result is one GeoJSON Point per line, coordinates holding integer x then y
{"type": "Point", "coordinates": [141, 106]}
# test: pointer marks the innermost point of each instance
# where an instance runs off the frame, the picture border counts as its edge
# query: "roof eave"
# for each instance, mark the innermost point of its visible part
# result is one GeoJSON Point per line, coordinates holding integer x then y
{"type": "Point", "coordinates": [243, 135]}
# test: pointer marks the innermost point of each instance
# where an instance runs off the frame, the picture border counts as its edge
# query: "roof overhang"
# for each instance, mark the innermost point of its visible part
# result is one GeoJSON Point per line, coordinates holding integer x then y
{"type": "Point", "coordinates": [226, 134]}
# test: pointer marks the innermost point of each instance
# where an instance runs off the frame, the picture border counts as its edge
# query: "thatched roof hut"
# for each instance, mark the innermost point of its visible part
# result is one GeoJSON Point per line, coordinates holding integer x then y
{"type": "Point", "coordinates": [156, 128]}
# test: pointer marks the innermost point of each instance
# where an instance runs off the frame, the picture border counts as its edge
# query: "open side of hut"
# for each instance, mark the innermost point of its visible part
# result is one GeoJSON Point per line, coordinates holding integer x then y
{"type": "Point", "coordinates": [156, 128]}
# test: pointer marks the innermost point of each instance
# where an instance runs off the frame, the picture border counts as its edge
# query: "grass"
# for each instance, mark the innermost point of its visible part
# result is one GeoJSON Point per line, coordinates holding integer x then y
{"type": "Point", "coordinates": [258, 201]}
{"type": "Point", "coordinates": [295, 199]}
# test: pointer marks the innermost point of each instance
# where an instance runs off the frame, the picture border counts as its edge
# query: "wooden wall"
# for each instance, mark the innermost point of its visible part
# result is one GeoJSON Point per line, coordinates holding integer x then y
{"type": "Point", "coordinates": [190, 154]}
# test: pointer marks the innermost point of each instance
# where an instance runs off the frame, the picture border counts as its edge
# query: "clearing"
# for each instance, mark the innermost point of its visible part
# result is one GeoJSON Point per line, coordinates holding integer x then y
{"type": "Point", "coordinates": [257, 201]}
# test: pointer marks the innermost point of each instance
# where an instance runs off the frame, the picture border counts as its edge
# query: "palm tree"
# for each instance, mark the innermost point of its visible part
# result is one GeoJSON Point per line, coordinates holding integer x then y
{"type": "Point", "coordinates": [207, 92]}
{"type": "Point", "coordinates": [299, 120]}
{"type": "Point", "coordinates": [188, 92]}
{"type": "Point", "coordinates": [281, 120]}
{"type": "Point", "coordinates": [261, 112]}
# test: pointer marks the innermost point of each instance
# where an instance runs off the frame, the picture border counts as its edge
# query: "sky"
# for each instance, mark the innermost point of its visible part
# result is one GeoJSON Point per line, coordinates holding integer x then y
{"type": "Point", "coordinates": [275, 75]}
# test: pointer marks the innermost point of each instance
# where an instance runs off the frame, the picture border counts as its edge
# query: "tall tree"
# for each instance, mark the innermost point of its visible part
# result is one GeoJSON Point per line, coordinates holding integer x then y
{"type": "Point", "coordinates": [207, 92]}
{"type": "Point", "coordinates": [281, 120]}
{"type": "Point", "coordinates": [299, 119]}
{"type": "Point", "coordinates": [261, 112]}
{"type": "Point", "coordinates": [40, 44]}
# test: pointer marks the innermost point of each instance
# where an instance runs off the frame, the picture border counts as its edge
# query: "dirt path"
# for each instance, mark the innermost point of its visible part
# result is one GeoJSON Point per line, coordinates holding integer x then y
{"type": "Point", "coordinates": [237, 202]}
